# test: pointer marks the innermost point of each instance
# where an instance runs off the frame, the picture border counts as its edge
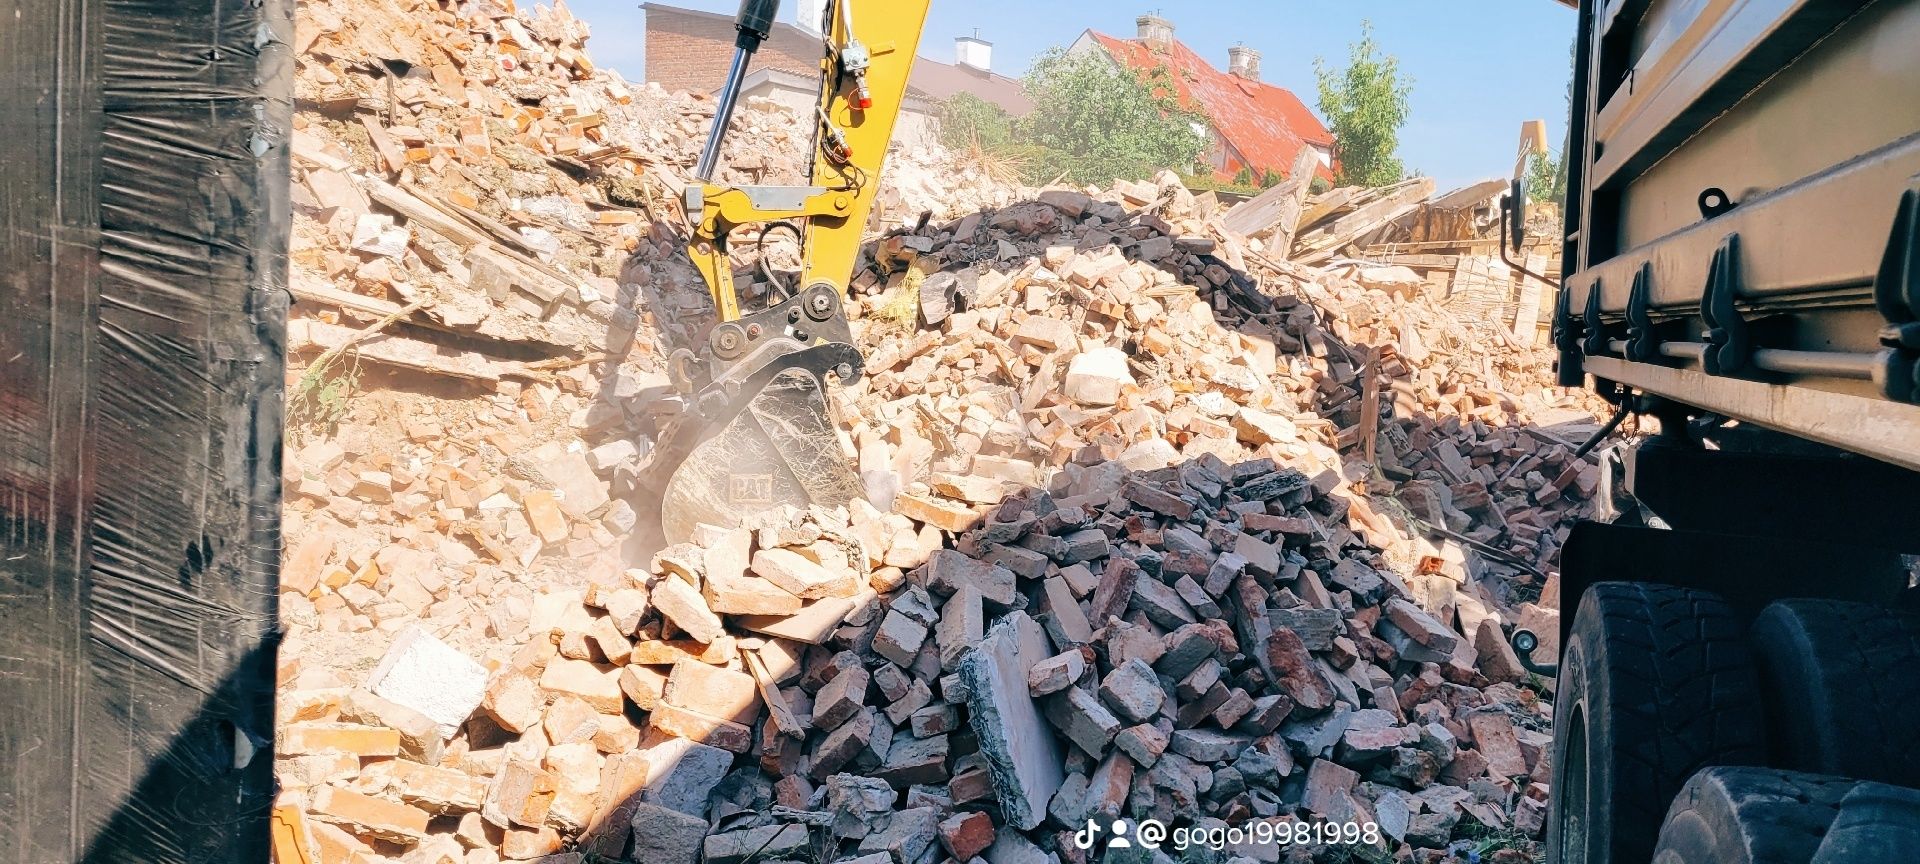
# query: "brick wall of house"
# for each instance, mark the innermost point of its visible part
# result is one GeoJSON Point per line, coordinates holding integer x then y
{"type": "Point", "coordinates": [691, 50]}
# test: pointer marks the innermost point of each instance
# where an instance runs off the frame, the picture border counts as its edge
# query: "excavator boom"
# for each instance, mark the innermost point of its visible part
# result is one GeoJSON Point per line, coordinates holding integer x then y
{"type": "Point", "coordinates": [760, 431]}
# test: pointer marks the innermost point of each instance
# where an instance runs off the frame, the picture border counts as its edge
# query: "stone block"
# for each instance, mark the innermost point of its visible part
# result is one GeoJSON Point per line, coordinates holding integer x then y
{"type": "Point", "coordinates": [427, 675]}
{"type": "Point", "coordinates": [1056, 673]}
{"type": "Point", "coordinates": [1132, 691]}
{"type": "Point", "coordinates": [768, 843]}
{"type": "Point", "coordinates": [801, 577]}
{"type": "Point", "coordinates": [1083, 720]}
{"type": "Point", "coordinates": [663, 835]}
{"type": "Point", "coordinates": [681, 774]}
{"type": "Point", "coordinates": [1021, 753]}
{"type": "Point", "coordinates": [682, 604]}
{"type": "Point", "coordinates": [589, 682]}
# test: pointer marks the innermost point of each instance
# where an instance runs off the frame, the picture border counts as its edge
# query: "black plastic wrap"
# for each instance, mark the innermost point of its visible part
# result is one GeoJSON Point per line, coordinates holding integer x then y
{"type": "Point", "coordinates": [143, 241]}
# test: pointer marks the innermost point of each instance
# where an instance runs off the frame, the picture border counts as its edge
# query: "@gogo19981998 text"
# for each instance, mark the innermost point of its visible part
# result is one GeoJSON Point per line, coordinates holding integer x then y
{"type": "Point", "coordinates": [1154, 834]}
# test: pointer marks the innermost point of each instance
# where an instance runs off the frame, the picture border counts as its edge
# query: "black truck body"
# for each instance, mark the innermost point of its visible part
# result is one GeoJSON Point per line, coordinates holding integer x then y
{"type": "Point", "coordinates": [1742, 260]}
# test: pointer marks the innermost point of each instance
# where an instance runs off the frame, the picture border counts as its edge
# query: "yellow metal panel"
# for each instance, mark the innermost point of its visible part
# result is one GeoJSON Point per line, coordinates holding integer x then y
{"type": "Point", "coordinates": [726, 208]}
{"type": "Point", "coordinates": [891, 31]}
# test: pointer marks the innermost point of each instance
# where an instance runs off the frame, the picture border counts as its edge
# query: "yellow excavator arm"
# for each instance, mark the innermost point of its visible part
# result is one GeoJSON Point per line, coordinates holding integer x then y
{"type": "Point", "coordinates": [855, 117]}
{"type": "Point", "coordinates": [759, 432]}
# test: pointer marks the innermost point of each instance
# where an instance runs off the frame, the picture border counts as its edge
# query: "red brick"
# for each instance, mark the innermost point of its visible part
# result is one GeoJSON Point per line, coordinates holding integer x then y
{"type": "Point", "coordinates": [694, 726]}
{"type": "Point", "coordinates": [301, 739]}
{"type": "Point", "coordinates": [966, 834]}
{"type": "Point", "coordinates": [374, 817]}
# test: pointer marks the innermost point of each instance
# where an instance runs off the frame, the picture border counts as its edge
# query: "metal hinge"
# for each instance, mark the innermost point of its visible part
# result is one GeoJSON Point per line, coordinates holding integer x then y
{"type": "Point", "coordinates": [1595, 329]}
{"type": "Point", "coordinates": [1642, 345]}
{"type": "Point", "coordinates": [1570, 370]}
{"type": "Point", "coordinates": [1729, 346]}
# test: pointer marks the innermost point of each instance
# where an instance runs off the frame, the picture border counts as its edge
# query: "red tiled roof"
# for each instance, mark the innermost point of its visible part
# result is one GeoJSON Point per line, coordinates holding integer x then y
{"type": "Point", "coordinates": [1265, 126]}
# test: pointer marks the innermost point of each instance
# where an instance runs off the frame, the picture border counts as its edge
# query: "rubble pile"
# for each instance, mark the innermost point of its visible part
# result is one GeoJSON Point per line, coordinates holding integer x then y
{"type": "Point", "coordinates": [1130, 327]}
{"type": "Point", "coordinates": [468, 166]}
{"type": "Point", "coordinates": [1159, 524]}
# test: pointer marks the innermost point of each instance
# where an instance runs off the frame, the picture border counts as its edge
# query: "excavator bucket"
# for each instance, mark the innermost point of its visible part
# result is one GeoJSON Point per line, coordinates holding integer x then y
{"type": "Point", "coordinates": [772, 444]}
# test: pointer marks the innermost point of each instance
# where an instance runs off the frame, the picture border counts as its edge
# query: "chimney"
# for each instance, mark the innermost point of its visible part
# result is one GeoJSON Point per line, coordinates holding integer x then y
{"type": "Point", "coordinates": [1244, 62]}
{"type": "Point", "coordinates": [812, 16]}
{"type": "Point", "coordinates": [973, 52]}
{"type": "Point", "coordinates": [1156, 31]}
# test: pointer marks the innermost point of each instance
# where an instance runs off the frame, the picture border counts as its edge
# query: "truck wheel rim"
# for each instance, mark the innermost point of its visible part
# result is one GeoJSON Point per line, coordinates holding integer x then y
{"type": "Point", "coordinates": [1572, 818]}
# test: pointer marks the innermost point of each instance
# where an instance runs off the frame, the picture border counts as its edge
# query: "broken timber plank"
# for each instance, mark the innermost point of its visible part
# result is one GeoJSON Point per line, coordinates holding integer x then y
{"type": "Point", "coordinates": [415, 210]}
{"type": "Point", "coordinates": [1370, 404]}
{"type": "Point", "coordinates": [398, 351]}
{"type": "Point", "coordinates": [390, 153]}
{"type": "Point", "coordinates": [536, 278]}
{"type": "Point", "coordinates": [1277, 208]}
{"type": "Point", "coordinates": [501, 234]}
{"type": "Point", "coordinates": [1417, 262]}
{"type": "Point", "coordinates": [1320, 209]}
{"type": "Point", "coordinates": [1397, 202]}
{"type": "Point", "coordinates": [311, 289]}
{"type": "Point", "coordinates": [783, 717]}
{"type": "Point", "coordinates": [1526, 317]}
{"type": "Point", "coordinates": [505, 241]}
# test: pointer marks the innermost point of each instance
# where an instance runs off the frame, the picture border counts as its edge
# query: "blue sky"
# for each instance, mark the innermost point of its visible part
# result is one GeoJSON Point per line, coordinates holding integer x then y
{"type": "Point", "coordinates": [1479, 67]}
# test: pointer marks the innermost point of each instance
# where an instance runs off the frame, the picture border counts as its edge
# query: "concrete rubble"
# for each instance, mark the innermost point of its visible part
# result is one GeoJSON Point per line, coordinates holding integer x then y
{"type": "Point", "coordinates": [1159, 524]}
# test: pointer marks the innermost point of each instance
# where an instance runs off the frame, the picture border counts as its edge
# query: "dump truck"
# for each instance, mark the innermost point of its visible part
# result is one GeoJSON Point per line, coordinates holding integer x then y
{"type": "Point", "coordinates": [1736, 662]}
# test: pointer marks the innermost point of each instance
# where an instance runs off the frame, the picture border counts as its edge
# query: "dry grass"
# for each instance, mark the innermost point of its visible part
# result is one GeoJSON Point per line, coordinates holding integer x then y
{"type": "Point", "coordinates": [1000, 167]}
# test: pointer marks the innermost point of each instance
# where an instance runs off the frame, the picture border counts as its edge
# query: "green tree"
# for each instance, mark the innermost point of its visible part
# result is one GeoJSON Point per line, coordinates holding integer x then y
{"type": "Point", "coordinates": [1547, 172]}
{"type": "Point", "coordinates": [966, 120]}
{"type": "Point", "coordinates": [1365, 104]}
{"type": "Point", "coordinates": [1094, 122]}
{"type": "Point", "coordinates": [1547, 178]}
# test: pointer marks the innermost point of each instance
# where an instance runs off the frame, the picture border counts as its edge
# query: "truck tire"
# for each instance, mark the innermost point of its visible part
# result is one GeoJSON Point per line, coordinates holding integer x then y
{"type": "Point", "coordinates": [1730, 815]}
{"type": "Point", "coordinates": [1655, 684]}
{"type": "Point", "coordinates": [1838, 684]}
{"type": "Point", "coordinates": [1877, 823]}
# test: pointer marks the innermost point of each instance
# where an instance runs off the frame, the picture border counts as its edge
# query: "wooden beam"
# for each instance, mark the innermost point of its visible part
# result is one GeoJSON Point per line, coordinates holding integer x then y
{"type": "Point", "coordinates": [1319, 209]}
{"type": "Point", "coordinates": [399, 352]}
{"type": "Point", "coordinates": [777, 708]}
{"type": "Point", "coordinates": [1475, 245]}
{"type": "Point", "coordinates": [308, 289]}
{"type": "Point", "coordinates": [1417, 262]}
{"type": "Point", "coordinates": [1370, 404]}
{"type": "Point", "coordinates": [407, 204]}
{"type": "Point", "coordinates": [1394, 202]}
{"type": "Point", "coordinates": [537, 277]}
{"type": "Point", "coordinates": [393, 155]}
{"type": "Point", "coordinates": [1526, 317]}
{"type": "Point", "coordinates": [1277, 208]}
